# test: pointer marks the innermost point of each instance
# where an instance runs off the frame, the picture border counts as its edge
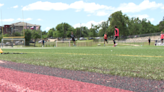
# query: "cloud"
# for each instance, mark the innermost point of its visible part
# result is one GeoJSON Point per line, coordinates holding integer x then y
{"type": "Point", "coordinates": [28, 19]}
{"type": "Point", "coordinates": [77, 6]}
{"type": "Point", "coordinates": [46, 6]}
{"type": "Point", "coordinates": [94, 8]}
{"type": "Point", "coordinates": [39, 19]}
{"type": "Point", "coordinates": [102, 13]}
{"type": "Point", "coordinates": [88, 24]}
{"type": "Point", "coordinates": [89, 15]}
{"type": "Point", "coordinates": [144, 16]}
{"type": "Point", "coordinates": [162, 7]}
{"type": "Point", "coordinates": [132, 7]}
{"type": "Point", "coordinates": [89, 7]}
{"type": "Point", "coordinates": [16, 6]}
{"type": "Point", "coordinates": [1, 5]}
{"type": "Point", "coordinates": [48, 28]}
{"type": "Point", "coordinates": [8, 20]}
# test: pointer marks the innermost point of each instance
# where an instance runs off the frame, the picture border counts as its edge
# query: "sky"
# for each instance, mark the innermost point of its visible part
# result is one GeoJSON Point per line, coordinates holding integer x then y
{"type": "Point", "coordinates": [50, 13]}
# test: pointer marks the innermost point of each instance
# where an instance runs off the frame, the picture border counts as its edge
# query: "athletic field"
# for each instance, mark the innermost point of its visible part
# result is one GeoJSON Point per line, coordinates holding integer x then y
{"type": "Point", "coordinates": [133, 61]}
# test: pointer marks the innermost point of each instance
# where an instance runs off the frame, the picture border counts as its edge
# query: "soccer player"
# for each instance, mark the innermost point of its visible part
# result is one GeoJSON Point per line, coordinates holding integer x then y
{"type": "Point", "coordinates": [116, 31]}
{"type": "Point", "coordinates": [42, 43]}
{"type": "Point", "coordinates": [149, 40]}
{"type": "Point", "coordinates": [162, 35]}
{"type": "Point", "coordinates": [105, 38]}
{"type": "Point", "coordinates": [73, 38]}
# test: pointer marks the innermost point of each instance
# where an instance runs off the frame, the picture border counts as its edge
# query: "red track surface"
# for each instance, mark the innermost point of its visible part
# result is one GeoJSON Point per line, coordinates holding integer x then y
{"type": "Point", "coordinates": [16, 81]}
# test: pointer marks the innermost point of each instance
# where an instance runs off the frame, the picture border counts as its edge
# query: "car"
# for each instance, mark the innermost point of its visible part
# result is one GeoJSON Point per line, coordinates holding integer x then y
{"type": "Point", "coordinates": [91, 38]}
{"type": "Point", "coordinates": [71, 39]}
{"type": "Point", "coordinates": [8, 43]}
{"type": "Point", "coordinates": [40, 41]}
{"type": "Point", "coordinates": [98, 37]}
{"type": "Point", "coordinates": [82, 38]}
{"type": "Point", "coordinates": [32, 41]}
{"type": "Point", "coordinates": [18, 43]}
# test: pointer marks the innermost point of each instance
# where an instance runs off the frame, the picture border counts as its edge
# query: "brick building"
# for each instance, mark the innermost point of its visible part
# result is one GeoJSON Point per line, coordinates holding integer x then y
{"type": "Point", "coordinates": [18, 27]}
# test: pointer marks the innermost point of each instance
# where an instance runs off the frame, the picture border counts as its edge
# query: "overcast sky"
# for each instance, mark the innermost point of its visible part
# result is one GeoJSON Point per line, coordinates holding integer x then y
{"type": "Point", "coordinates": [49, 13]}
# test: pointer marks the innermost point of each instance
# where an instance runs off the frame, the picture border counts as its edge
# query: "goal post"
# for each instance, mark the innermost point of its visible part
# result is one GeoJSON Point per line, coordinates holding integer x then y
{"type": "Point", "coordinates": [63, 43]}
{"type": "Point", "coordinates": [12, 42]}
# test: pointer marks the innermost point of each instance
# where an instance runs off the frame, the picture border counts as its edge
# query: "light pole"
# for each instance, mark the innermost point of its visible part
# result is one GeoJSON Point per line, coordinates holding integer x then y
{"type": "Point", "coordinates": [80, 29]}
{"type": "Point", "coordinates": [41, 34]}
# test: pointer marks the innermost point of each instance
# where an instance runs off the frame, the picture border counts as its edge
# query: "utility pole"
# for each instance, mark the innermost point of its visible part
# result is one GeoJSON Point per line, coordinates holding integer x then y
{"type": "Point", "coordinates": [41, 34]}
{"type": "Point", "coordinates": [80, 29]}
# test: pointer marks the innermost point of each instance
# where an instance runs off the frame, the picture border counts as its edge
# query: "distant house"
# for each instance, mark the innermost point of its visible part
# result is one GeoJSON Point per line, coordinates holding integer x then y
{"type": "Point", "coordinates": [18, 27]}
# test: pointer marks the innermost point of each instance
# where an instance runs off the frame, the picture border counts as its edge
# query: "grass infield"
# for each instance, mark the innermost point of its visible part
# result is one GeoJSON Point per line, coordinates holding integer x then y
{"type": "Point", "coordinates": [133, 61]}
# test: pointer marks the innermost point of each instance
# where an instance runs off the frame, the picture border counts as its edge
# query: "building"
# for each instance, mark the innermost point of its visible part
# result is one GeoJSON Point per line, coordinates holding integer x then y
{"type": "Point", "coordinates": [18, 27]}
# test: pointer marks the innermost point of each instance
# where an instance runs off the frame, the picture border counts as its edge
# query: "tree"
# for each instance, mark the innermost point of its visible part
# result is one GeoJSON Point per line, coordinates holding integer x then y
{"type": "Point", "coordinates": [161, 25]}
{"type": "Point", "coordinates": [104, 28]}
{"type": "Point", "coordinates": [135, 26]}
{"type": "Point", "coordinates": [118, 19]}
{"type": "Point", "coordinates": [50, 32]}
{"type": "Point", "coordinates": [93, 31]}
{"type": "Point", "coordinates": [17, 34]}
{"type": "Point", "coordinates": [85, 31]}
{"type": "Point", "coordinates": [64, 30]}
{"type": "Point", "coordinates": [27, 36]}
{"type": "Point", "coordinates": [35, 35]}
{"type": "Point", "coordinates": [77, 32]}
{"type": "Point", "coordinates": [44, 34]}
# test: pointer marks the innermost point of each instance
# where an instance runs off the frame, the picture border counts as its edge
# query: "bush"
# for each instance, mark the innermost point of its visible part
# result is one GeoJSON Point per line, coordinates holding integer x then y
{"type": "Point", "coordinates": [27, 36]}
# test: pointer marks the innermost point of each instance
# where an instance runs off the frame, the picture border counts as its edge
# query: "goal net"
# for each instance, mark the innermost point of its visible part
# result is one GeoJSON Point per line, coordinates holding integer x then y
{"type": "Point", "coordinates": [63, 43]}
{"type": "Point", "coordinates": [12, 42]}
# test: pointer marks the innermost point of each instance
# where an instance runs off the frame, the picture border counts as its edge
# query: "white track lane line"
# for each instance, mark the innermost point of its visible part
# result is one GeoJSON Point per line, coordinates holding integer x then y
{"type": "Point", "coordinates": [15, 87]}
{"type": "Point", "coordinates": [1, 62]}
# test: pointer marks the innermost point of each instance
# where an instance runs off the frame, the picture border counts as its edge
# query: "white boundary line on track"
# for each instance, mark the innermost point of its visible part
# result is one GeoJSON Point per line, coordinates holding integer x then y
{"type": "Point", "coordinates": [15, 87]}
{"type": "Point", "coordinates": [1, 62]}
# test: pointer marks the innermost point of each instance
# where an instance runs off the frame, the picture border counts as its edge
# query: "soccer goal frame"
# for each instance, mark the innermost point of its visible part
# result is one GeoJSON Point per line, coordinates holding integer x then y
{"type": "Point", "coordinates": [13, 41]}
{"type": "Point", "coordinates": [57, 43]}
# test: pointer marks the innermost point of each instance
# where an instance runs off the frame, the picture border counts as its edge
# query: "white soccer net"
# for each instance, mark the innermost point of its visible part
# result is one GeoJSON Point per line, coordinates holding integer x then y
{"type": "Point", "coordinates": [63, 43]}
{"type": "Point", "coordinates": [12, 42]}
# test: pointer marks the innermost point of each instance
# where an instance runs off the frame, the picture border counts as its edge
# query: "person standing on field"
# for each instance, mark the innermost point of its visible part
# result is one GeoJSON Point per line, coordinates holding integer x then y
{"type": "Point", "coordinates": [149, 40]}
{"type": "Point", "coordinates": [42, 43]}
{"type": "Point", "coordinates": [162, 35]}
{"type": "Point", "coordinates": [105, 38]}
{"type": "Point", "coordinates": [116, 31]}
{"type": "Point", "coordinates": [73, 38]}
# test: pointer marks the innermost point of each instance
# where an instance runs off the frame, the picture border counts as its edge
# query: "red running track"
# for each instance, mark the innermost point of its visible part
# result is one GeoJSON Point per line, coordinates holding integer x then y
{"type": "Point", "coordinates": [17, 81]}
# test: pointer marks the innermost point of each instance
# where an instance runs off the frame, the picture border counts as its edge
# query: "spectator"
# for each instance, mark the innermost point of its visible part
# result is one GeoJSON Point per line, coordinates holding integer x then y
{"type": "Point", "coordinates": [42, 43]}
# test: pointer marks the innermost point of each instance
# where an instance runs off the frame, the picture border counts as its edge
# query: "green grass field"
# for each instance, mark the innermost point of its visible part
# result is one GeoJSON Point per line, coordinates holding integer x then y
{"type": "Point", "coordinates": [134, 61]}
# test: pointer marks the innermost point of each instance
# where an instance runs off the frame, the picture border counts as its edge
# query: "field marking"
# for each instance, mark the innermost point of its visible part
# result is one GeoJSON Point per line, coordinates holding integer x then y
{"type": "Point", "coordinates": [110, 54]}
{"type": "Point", "coordinates": [103, 54]}
{"type": "Point", "coordinates": [130, 44]}
{"type": "Point", "coordinates": [15, 87]}
{"type": "Point", "coordinates": [99, 54]}
{"type": "Point", "coordinates": [137, 55]}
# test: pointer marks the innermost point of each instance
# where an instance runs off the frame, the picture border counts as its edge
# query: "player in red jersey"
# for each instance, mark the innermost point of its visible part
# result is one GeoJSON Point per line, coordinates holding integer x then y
{"type": "Point", "coordinates": [105, 38]}
{"type": "Point", "coordinates": [162, 35]}
{"type": "Point", "coordinates": [116, 31]}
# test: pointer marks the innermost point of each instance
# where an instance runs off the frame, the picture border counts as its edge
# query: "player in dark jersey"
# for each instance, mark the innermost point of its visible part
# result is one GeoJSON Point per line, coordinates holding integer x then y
{"type": "Point", "coordinates": [73, 38]}
{"type": "Point", "coordinates": [149, 40]}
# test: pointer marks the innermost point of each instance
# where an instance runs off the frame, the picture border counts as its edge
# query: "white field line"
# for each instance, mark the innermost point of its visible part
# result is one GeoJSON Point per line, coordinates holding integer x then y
{"type": "Point", "coordinates": [15, 87]}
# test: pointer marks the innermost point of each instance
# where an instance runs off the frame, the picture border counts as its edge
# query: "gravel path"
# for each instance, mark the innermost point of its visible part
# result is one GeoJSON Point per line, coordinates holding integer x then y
{"type": "Point", "coordinates": [126, 83]}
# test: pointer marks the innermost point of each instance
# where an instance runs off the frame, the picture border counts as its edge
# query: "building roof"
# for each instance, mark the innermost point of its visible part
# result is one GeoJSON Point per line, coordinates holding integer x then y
{"type": "Point", "coordinates": [24, 24]}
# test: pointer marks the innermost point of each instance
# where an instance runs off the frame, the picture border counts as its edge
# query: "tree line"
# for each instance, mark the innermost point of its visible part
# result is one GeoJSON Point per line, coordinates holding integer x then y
{"type": "Point", "coordinates": [127, 26]}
